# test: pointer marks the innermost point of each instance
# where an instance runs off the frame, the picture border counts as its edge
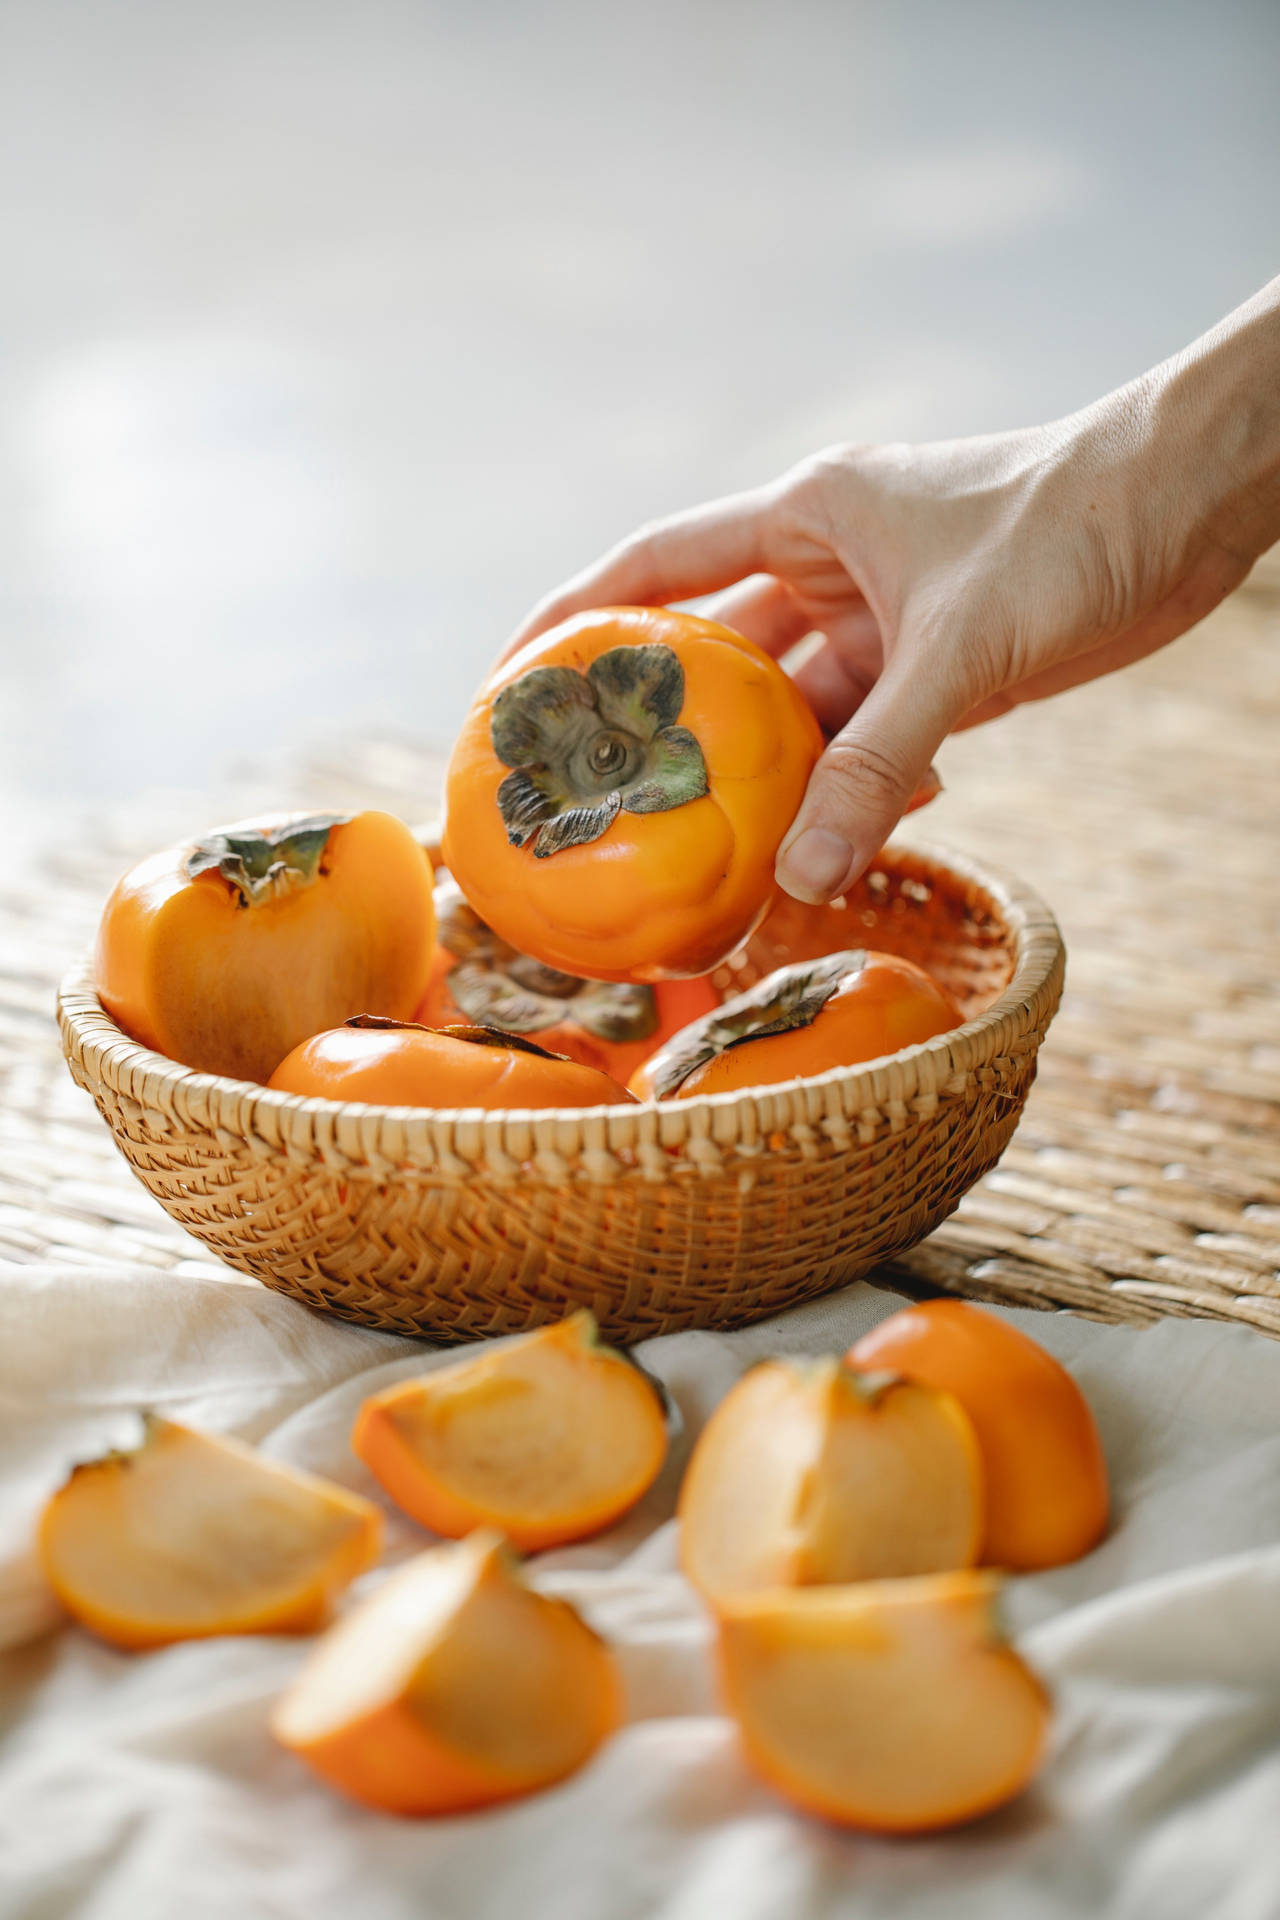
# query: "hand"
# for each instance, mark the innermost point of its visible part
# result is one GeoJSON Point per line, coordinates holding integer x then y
{"type": "Point", "coordinates": [947, 583]}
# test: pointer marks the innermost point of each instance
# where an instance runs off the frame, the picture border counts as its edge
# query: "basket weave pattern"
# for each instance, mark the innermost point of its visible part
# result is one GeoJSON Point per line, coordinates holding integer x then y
{"type": "Point", "coordinates": [700, 1213]}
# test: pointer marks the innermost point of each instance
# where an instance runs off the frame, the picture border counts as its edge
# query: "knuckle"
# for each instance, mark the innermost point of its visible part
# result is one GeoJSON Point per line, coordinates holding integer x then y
{"type": "Point", "coordinates": [866, 773]}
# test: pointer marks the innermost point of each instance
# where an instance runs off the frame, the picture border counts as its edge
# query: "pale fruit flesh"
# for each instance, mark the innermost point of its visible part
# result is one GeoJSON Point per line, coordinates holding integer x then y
{"type": "Point", "coordinates": [809, 1473]}
{"type": "Point", "coordinates": [894, 1706]}
{"type": "Point", "coordinates": [1043, 1464]}
{"type": "Point", "coordinates": [549, 1437]}
{"type": "Point", "coordinates": [454, 1685]}
{"type": "Point", "coordinates": [193, 1534]}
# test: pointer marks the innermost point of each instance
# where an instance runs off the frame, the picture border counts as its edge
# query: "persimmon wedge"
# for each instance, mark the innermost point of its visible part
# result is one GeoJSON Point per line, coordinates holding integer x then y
{"type": "Point", "coordinates": [895, 1705]}
{"type": "Point", "coordinates": [228, 952]}
{"type": "Point", "coordinates": [452, 1686]}
{"type": "Point", "coordinates": [192, 1534]}
{"type": "Point", "coordinates": [1045, 1472]}
{"type": "Point", "coordinates": [550, 1437]}
{"type": "Point", "coordinates": [809, 1472]}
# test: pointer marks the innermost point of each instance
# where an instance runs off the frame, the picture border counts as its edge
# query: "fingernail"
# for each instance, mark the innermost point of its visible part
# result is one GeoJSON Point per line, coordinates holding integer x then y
{"type": "Point", "coordinates": [815, 865]}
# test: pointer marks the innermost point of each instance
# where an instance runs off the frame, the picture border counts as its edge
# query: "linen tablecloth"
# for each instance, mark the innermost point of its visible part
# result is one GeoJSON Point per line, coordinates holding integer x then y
{"type": "Point", "coordinates": [148, 1786]}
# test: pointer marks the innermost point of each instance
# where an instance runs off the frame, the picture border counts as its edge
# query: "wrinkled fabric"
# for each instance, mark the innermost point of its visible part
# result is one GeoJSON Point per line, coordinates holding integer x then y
{"type": "Point", "coordinates": [147, 1785]}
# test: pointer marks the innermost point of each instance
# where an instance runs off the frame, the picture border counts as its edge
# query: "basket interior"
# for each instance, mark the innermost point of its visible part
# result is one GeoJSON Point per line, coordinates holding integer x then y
{"type": "Point", "coordinates": [904, 906]}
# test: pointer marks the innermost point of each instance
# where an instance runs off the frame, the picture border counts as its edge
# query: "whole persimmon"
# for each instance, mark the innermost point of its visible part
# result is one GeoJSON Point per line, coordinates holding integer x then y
{"type": "Point", "coordinates": [477, 977]}
{"type": "Point", "coordinates": [226, 952]}
{"type": "Point", "coordinates": [801, 1020]}
{"type": "Point", "coordinates": [619, 791]}
{"type": "Point", "coordinates": [395, 1063]}
{"type": "Point", "coordinates": [1046, 1477]}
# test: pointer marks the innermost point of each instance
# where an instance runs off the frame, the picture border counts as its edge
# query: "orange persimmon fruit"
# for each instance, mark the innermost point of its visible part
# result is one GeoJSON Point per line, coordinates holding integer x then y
{"type": "Point", "coordinates": [550, 1437]}
{"type": "Point", "coordinates": [397, 1063]}
{"type": "Point", "coordinates": [226, 953]}
{"type": "Point", "coordinates": [1046, 1476]}
{"type": "Point", "coordinates": [620, 789]}
{"type": "Point", "coordinates": [610, 1024]}
{"type": "Point", "coordinates": [809, 1472]}
{"type": "Point", "coordinates": [192, 1534]}
{"type": "Point", "coordinates": [895, 1706]}
{"type": "Point", "coordinates": [803, 1019]}
{"type": "Point", "coordinates": [453, 1685]}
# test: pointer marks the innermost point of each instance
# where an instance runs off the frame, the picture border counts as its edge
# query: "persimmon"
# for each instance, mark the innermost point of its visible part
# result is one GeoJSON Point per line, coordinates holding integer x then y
{"type": "Point", "coordinates": [803, 1019]}
{"type": "Point", "coordinates": [226, 952]}
{"type": "Point", "coordinates": [810, 1472]}
{"type": "Point", "coordinates": [549, 1437]}
{"type": "Point", "coordinates": [610, 1024]}
{"type": "Point", "coordinates": [396, 1063]}
{"type": "Point", "coordinates": [453, 1685]}
{"type": "Point", "coordinates": [620, 789]}
{"type": "Point", "coordinates": [1046, 1476]}
{"type": "Point", "coordinates": [895, 1705]}
{"type": "Point", "coordinates": [191, 1534]}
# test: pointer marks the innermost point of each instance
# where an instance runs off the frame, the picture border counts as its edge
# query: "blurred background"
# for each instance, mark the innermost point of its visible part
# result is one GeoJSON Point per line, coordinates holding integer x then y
{"type": "Point", "coordinates": [331, 335]}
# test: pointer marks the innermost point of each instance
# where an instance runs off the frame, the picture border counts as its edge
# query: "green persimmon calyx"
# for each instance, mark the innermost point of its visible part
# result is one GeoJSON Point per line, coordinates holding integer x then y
{"type": "Point", "coordinates": [496, 986]}
{"type": "Point", "coordinates": [584, 747]}
{"type": "Point", "coordinates": [792, 997]}
{"type": "Point", "coordinates": [264, 864]}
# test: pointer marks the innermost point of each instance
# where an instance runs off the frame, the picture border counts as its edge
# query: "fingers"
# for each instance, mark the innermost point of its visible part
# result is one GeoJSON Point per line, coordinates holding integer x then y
{"type": "Point", "coordinates": [764, 610]}
{"type": "Point", "coordinates": [864, 783]}
{"type": "Point", "coordinates": [838, 675]}
{"type": "Point", "coordinates": [677, 559]}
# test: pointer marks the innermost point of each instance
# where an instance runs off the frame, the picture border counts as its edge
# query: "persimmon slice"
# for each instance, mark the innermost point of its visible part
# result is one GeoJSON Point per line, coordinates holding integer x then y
{"type": "Point", "coordinates": [809, 1472]}
{"type": "Point", "coordinates": [1044, 1468]}
{"type": "Point", "coordinates": [453, 1685]}
{"type": "Point", "coordinates": [549, 1437]}
{"type": "Point", "coordinates": [192, 1534]}
{"type": "Point", "coordinates": [894, 1705]}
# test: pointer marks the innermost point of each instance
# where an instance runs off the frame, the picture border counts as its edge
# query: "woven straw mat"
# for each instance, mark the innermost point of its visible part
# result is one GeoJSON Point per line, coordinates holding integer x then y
{"type": "Point", "coordinates": [1145, 1177]}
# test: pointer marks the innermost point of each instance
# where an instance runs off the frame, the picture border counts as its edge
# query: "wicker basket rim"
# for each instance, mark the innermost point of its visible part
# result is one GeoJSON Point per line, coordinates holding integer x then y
{"type": "Point", "coordinates": [91, 1037]}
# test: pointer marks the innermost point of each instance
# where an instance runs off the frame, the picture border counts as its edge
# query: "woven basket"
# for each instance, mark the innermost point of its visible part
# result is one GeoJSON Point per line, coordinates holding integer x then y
{"type": "Point", "coordinates": [704, 1212]}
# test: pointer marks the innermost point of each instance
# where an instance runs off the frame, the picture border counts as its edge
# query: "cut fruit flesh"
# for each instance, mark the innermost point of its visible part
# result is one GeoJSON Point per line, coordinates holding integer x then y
{"type": "Point", "coordinates": [1043, 1466]}
{"type": "Point", "coordinates": [810, 1473]}
{"type": "Point", "coordinates": [894, 1705]}
{"type": "Point", "coordinates": [452, 1686]}
{"type": "Point", "coordinates": [549, 1437]}
{"type": "Point", "coordinates": [193, 1534]}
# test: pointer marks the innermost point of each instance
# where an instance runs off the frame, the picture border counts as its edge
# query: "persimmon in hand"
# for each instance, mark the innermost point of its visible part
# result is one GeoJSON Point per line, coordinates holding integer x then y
{"type": "Point", "coordinates": [611, 1024]}
{"type": "Point", "coordinates": [619, 790]}
{"type": "Point", "coordinates": [395, 1063]}
{"type": "Point", "coordinates": [801, 1020]}
{"type": "Point", "coordinates": [225, 953]}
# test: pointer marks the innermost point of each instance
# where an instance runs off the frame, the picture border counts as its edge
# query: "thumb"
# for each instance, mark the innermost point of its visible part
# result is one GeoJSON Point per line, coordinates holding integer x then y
{"type": "Point", "coordinates": [863, 784]}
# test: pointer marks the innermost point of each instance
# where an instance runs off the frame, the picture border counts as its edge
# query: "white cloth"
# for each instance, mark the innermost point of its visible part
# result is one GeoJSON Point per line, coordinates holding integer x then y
{"type": "Point", "coordinates": [146, 1787]}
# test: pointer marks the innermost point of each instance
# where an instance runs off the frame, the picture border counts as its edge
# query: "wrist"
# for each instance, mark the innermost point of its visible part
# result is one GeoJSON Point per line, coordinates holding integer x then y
{"type": "Point", "coordinates": [1211, 448]}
